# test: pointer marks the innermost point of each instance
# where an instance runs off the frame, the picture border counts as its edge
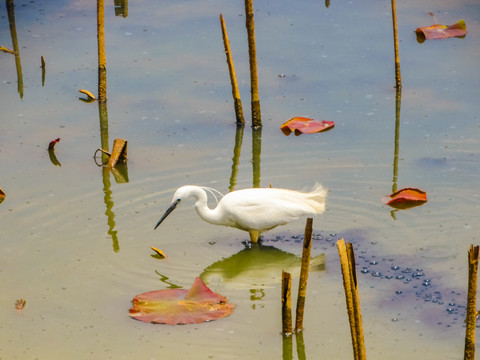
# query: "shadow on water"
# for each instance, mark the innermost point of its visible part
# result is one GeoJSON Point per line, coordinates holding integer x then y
{"type": "Point", "coordinates": [256, 267]}
{"type": "Point", "coordinates": [237, 149]}
{"type": "Point", "coordinates": [13, 33]}
{"type": "Point", "coordinates": [396, 148]}
{"type": "Point", "coordinates": [119, 171]}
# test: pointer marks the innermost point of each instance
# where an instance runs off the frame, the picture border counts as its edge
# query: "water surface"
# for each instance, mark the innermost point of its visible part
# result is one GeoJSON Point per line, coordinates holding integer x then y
{"type": "Point", "coordinates": [76, 243]}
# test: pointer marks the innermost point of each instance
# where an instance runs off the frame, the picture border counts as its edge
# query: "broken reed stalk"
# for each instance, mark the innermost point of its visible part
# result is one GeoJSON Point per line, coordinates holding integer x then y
{"type": "Point", "coordinates": [286, 303]}
{"type": "Point", "coordinates": [102, 61]}
{"type": "Point", "coordinates": [398, 76]}
{"type": "Point", "coordinates": [347, 260]}
{"type": "Point", "coordinates": [472, 313]}
{"type": "Point", "coordinates": [302, 286]}
{"type": "Point", "coordinates": [119, 152]}
{"type": "Point", "coordinates": [237, 102]}
{"type": "Point", "coordinates": [255, 98]}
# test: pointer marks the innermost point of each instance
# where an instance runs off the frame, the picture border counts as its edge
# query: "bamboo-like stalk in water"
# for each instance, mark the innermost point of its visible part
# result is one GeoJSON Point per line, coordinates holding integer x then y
{"type": "Point", "coordinates": [347, 260]}
{"type": "Point", "coordinates": [302, 286]}
{"type": "Point", "coordinates": [398, 76]}
{"type": "Point", "coordinates": [237, 102]}
{"type": "Point", "coordinates": [472, 312]}
{"type": "Point", "coordinates": [255, 98]}
{"type": "Point", "coordinates": [102, 61]}
{"type": "Point", "coordinates": [286, 303]}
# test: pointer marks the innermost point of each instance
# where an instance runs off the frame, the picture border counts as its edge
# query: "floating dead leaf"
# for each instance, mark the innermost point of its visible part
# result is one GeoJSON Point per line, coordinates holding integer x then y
{"type": "Point", "coordinates": [181, 306]}
{"type": "Point", "coordinates": [90, 96]}
{"type": "Point", "coordinates": [52, 143]}
{"type": "Point", "coordinates": [406, 198]}
{"type": "Point", "coordinates": [302, 125]}
{"type": "Point", "coordinates": [51, 152]}
{"type": "Point", "coordinates": [5, 50]}
{"type": "Point", "coordinates": [20, 304]}
{"type": "Point", "coordinates": [160, 254]}
{"type": "Point", "coordinates": [438, 31]}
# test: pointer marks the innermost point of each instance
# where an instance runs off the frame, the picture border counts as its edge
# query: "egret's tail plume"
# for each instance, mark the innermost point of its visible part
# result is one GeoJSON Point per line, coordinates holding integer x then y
{"type": "Point", "coordinates": [317, 197]}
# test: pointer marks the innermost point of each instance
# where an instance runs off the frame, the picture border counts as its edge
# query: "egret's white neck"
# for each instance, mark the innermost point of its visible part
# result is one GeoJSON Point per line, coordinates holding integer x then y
{"type": "Point", "coordinates": [211, 216]}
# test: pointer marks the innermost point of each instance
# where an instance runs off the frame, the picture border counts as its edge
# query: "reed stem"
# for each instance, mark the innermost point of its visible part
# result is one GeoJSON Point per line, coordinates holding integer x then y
{"type": "Point", "coordinates": [472, 313]}
{"type": "Point", "coordinates": [102, 61]}
{"type": "Point", "coordinates": [302, 286]}
{"type": "Point", "coordinates": [233, 78]}
{"type": "Point", "coordinates": [347, 261]}
{"type": "Point", "coordinates": [255, 98]}
{"type": "Point", "coordinates": [398, 76]}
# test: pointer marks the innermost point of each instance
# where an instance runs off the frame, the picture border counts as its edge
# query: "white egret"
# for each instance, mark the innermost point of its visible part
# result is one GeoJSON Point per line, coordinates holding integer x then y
{"type": "Point", "coordinates": [254, 210]}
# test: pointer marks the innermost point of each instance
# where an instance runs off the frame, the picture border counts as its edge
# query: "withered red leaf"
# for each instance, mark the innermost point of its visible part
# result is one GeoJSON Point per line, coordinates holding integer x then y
{"type": "Point", "coordinates": [302, 125]}
{"type": "Point", "coordinates": [438, 31]}
{"type": "Point", "coordinates": [406, 198]}
{"type": "Point", "coordinates": [181, 306]}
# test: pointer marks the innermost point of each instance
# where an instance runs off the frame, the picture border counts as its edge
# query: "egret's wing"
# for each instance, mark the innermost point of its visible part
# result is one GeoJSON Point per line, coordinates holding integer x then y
{"type": "Point", "coordinates": [263, 209]}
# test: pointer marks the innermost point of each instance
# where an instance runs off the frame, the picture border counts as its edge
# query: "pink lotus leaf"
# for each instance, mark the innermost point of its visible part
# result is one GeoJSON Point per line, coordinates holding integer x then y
{"type": "Point", "coordinates": [302, 125]}
{"type": "Point", "coordinates": [180, 306]}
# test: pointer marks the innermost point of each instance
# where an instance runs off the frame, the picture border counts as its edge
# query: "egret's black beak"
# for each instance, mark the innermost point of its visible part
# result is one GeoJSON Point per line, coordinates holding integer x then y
{"type": "Point", "coordinates": [169, 210]}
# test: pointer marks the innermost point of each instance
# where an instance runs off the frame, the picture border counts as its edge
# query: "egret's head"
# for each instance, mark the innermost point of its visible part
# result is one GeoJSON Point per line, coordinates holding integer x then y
{"type": "Point", "coordinates": [180, 194]}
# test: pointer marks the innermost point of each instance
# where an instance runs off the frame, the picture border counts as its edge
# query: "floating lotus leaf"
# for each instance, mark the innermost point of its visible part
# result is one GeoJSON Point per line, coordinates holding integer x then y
{"type": "Point", "coordinates": [438, 31]}
{"type": "Point", "coordinates": [180, 306]}
{"type": "Point", "coordinates": [406, 198]}
{"type": "Point", "coordinates": [302, 125]}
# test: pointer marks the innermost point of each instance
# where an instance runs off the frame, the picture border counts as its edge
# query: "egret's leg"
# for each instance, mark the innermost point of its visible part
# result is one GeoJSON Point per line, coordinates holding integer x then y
{"type": "Point", "coordinates": [254, 234]}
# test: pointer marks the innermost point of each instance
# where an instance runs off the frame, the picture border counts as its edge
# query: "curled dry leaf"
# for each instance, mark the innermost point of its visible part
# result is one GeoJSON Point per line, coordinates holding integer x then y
{"type": "Point", "coordinates": [302, 125]}
{"type": "Point", "coordinates": [5, 50]}
{"type": "Point", "coordinates": [90, 96]}
{"type": "Point", "coordinates": [438, 31]}
{"type": "Point", "coordinates": [160, 254]}
{"type": "Point", "coordinates": [181, 306]}
{"type": "Point", "coordinates": [406, 198]}
{"type": "Point", "coordinates": [52, 143]}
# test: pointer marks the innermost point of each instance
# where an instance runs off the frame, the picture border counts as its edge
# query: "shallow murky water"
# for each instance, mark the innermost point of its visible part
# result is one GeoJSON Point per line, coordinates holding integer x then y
{"type": "Point", "coordinates": [76, 241]}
